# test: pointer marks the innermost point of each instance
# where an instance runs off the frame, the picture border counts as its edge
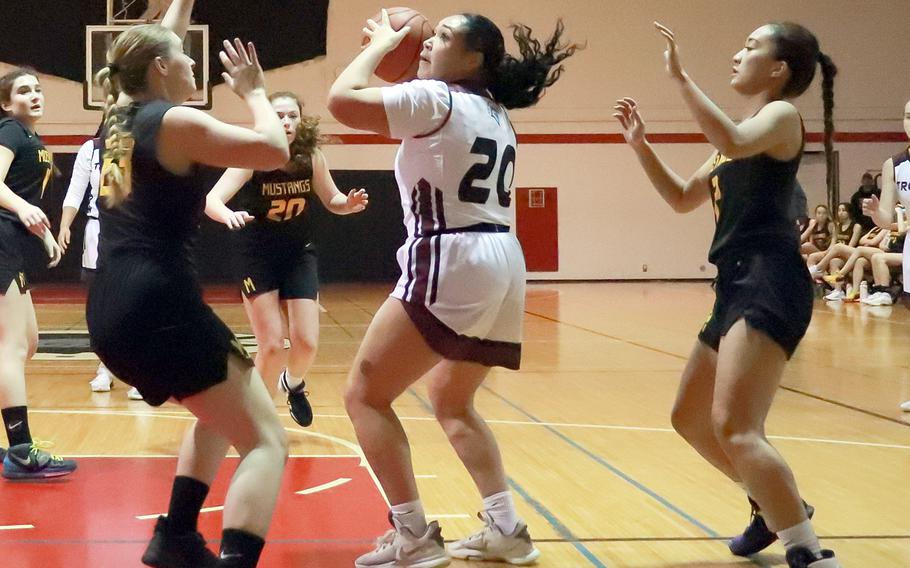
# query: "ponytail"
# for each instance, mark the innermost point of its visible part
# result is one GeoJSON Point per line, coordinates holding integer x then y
{"type": "Point", "coordinates": [517, 82]}
{"type": "Point", "coordinates": [829, 71]}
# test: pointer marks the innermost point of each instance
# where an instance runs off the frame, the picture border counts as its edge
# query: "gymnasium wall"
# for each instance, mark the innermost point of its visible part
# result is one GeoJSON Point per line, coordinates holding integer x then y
{"type": "Point", "coordinates": [611, 223]}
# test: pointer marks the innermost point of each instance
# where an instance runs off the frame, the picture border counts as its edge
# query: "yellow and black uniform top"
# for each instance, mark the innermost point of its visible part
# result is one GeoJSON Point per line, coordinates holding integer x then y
{"type": "Point", "coordinates": [896, 241]}
{"type": "Point", "coordinates": [161, 215]}
{"type": "Point", "coordinates": [751, 198]}
{"type": "Point", "coordinates": [280, 202]}
{"type": "Point", "coordinates": [821, 236]}
{"type": "Point", "coordinates": [844, 233]}
{"type": "Point", "coordinates": [31, 169]}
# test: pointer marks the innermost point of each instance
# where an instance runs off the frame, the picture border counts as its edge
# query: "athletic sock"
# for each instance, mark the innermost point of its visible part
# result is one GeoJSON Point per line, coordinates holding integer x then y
{"type": "Point", "coordinates": [187, 497]}
{"type": "Point", "coordinates": [15, 419]}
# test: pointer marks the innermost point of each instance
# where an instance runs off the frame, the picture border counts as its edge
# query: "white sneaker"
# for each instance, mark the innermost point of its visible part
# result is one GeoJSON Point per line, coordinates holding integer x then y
{"type": "Point", "coordinates": [906, 406]}
{"type": "Point", "coordinates": [836, 296]}
{"type": "Point", "coordinates": [102, 382]}
{"type": "Point", "coordinates": [399, 548]}
{"type": "Point", "coordinates": [490, 543]}
{"type": "Point", "coordinates": [134, 394]}
{"type": "Point", "coordinates": [879, 299]}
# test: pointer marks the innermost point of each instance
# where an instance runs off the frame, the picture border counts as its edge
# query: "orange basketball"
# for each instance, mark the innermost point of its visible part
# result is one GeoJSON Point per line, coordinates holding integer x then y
{"type": "Point", "coordinates": [400, 65]}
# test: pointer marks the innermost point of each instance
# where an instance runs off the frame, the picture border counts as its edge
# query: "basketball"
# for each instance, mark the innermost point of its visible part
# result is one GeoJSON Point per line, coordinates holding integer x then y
{"type": "Point", "coordinates": [400, 65]}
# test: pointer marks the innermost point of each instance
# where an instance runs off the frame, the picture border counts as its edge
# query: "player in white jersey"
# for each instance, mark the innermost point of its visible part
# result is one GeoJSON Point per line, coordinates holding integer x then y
{"type": "Point", "coordinates": [457, 308]}
{"type": "Point", "coordinates": [895, 187]}
{"type": "Point", "coordinates": [86, 176]}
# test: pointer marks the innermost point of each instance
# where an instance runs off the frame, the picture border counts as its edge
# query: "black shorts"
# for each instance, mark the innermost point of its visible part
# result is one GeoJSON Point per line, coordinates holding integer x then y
{"type": "Point", "coordinates": [149, 325]}
{"type": "Point", "coordinates": [15, 245]}
{"type": "Point", "coordinates": [771, 291]}
{"type": "Point", "coordinates": [291, 270]}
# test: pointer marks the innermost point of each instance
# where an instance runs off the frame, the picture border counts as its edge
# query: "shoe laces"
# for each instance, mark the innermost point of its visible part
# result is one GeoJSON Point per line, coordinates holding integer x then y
{"type": "Point", "coordinates": [386, 540]}
{"type": "Point", "coordinates": [39, 446]}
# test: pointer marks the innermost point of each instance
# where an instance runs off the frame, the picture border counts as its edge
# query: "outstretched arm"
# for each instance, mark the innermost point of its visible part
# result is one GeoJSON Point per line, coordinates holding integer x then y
{"type": "Point", "coordinates": [228, 185]}
{"type": "Point", "coordinates": [776, 126]}
{"type": "Point", "coordinates": [682, 195]}
{"type": "Point", "coordinates": [338, 203]}
{"type": "Point", "coordinates": [177, 17]}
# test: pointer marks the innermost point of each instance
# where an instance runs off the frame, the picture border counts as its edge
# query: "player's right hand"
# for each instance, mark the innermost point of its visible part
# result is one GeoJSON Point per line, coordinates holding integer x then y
{"type": "Point", "coordinates": [633, 127]}
{"type": "Point", "coordinates": [242, 71]}
{"type": "Point", "coordinates": [34, 219]}
{"type": "Point", "coordinates": [870, 206]}
{"type": "Point", "coordinates": [235, 219]}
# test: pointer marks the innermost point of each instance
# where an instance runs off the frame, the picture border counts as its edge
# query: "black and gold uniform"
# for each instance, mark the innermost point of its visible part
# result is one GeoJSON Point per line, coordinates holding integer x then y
{"type": "Point", "coordinates": [276, 251]}
{"type": "Point", "coordinates": [146, 317]}
{"type": "Point", "coordinates": [821, 236]}
{"type": "Point", "coordinates": [27, 177]}
{"type": "Point", "coordinates": [844, 233]}
{"type": "Point", "coordinates": [761, 276]}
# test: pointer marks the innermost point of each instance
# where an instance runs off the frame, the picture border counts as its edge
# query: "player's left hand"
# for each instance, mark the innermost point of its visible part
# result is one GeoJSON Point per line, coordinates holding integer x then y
{"type": "Point", "coordinates": [671, 55]}
{"type": "Point", "coordinates": [358, 199]}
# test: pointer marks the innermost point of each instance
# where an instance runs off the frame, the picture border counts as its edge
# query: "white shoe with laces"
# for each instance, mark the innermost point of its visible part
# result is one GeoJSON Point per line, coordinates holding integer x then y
{"type": "Point", "coordinates": [879, 299]}
{"type": "Point", "coordinates": [490, 543]}
{"type": "Point", "coordinates": [906, 406]}
{"type": "Point", "coordinates": [399, 548]}
{"type": "Point", "coordinates": [134, 394]}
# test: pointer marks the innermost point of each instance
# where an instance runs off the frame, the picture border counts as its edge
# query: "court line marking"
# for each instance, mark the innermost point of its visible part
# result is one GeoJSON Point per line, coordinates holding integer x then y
{"type": "Point", "coordinates": [187, 415]}
{"type": "Point", "coordinates": [561, 529]}
{"type": "Point", "coordinates": [557, 525]}
{"type": "Point", "coordinates": [325, 486]}
{"type": "Point", "coordinates": [448, 516]}
{"type": "Point", "coordinates": [615, 470]}
{"type": "Point", "coordinates": [685, 358]}
{"type": "Point", "coordinates": [425, 476]}
{"type": "Point", "coordinates": [15, 527]}
{"type": "Point", "coordinates": [154, 414]}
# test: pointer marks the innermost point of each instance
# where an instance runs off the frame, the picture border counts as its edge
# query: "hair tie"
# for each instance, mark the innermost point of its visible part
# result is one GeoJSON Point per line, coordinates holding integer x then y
{"type": "Point", "coordinates": [114, 69]}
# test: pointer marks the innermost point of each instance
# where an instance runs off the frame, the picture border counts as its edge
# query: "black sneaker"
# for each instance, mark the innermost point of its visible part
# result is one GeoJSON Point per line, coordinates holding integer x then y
{"type": "Point", "coordinates": [31, 462]}
{"type": "Point", "coordinates": [301, 411]}
{"type": "Point", "coordinates": [801, 557]}
{"type": "Point", "coordinates": [757, 536]}
{"type": "Point", "coordinates": [186, 550]}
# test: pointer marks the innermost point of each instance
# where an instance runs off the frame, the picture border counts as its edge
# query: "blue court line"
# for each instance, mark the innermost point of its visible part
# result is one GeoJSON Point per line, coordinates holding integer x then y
{"type": "Point", "coordinates": [616, 471]}
{"type": "Point", "coordinates": [561, 529]}
{"type": "Point", "coordinates": [423, 402]}
{"type": "Point", "coordinates": [555, 523]}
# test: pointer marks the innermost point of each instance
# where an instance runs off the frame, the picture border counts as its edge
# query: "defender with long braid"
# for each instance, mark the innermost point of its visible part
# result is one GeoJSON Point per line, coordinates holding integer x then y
{"type": "Point", "coordinates": [764, 292]}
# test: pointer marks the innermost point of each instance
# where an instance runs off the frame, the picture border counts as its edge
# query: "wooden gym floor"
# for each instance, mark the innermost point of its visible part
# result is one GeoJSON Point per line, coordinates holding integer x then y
{"type": "Point", "coordinates": [584, 427]}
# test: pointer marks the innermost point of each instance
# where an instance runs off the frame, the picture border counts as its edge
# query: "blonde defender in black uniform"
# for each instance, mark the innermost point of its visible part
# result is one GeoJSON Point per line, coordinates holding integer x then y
{"type": "Point", "coordinates": [764, 293]}
{"type": "Point", "coordinates": [146, 317]}
{"type": "Point", "coordinates": [25, 169]}
{"type": "Point", "coordinates": [278, 275]}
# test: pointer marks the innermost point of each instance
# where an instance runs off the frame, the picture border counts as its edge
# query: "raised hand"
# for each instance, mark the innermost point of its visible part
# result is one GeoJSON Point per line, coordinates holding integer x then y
{"type": "Point", "coordinates": [671, 55]}
{"type": "Point", "coordinates": [242, 71]}
{"type": "Point", "coordinates": [870, 206]}
{"type": "Point", "coordinates": [381, 34]}
{"type": "Point", "coordinates": [358, 199]}
{"type": "Point", "coordinates": [633, 127]}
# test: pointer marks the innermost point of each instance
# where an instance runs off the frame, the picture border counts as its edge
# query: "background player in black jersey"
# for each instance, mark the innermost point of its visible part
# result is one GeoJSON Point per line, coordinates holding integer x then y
{"type": "Point", "coordinates": [278, 267]}
{"type": "Point", "coordinates": [25, 169]}
{"type": "Point", "coordinates": [764, 293]}
{"type": "Point", "coordinates": [145, 312]}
